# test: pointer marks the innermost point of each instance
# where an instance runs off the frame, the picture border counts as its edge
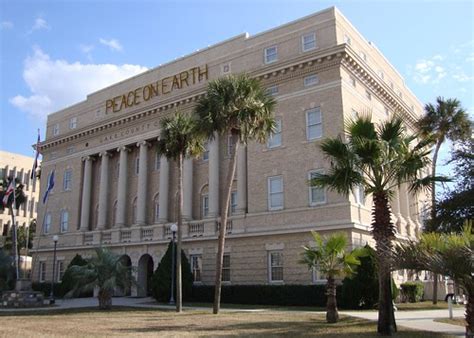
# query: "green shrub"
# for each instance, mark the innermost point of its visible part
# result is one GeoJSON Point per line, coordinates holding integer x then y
{"type": "Point", "coordinates": [412, 291]}
{"type": "Point", "coordinates": [161, 280]}
{"type": "Point", "coordinates": [68, 283]}
{"type": "Point", "coordinates": [45, 288]}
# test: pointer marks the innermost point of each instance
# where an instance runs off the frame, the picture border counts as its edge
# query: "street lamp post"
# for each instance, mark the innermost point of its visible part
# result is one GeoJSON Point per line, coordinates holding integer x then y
{"type": "Point", "coordinates": [173, 228]}
{"type": "Point", "coordinates": [51, 295]}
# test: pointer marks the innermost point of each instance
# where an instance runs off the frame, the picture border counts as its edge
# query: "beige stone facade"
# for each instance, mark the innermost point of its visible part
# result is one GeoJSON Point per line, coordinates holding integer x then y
{"type": "Point", "coordinates": [19, 166]}
{"type": "Point", "coordinates": [321, 71]}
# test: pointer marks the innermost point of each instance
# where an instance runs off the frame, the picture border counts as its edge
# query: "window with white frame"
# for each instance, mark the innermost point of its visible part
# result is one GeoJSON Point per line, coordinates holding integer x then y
{"type": "Point", "coordinates": [233, 202]}
{"type": "Point", "coordinates": [137, 165]}
{"type": "Point", "coordinates": [196, 267]}
{"type": "Point", "coordinates": [64, 220]}
{"type": "Point", "coordinates": [275, 266]}
{"type": "Point", "coordinates": [156, 208]}
{"type": "Point", "coordinates": [157, 161]}
{"type": "Point", "coordinates": [308, 41]}
{"type": "Point", "coordinates": [67, 180]}
{"type": "Point", "coordinates": [73, 123]}
{"type": "Point", "coordinates": [47, 223]}
{"type": "Point", "coordinates": [314, 126]}
{"type": "Point", "coordinates": [275, 138]}
{"type": "Point", "coordinates": [311, 80]}
{"type": "Point", "coordinates": [205, 205]}
{"type": "Point", "coordinates": [359, 194]}
{"type": "Point", "coordinates": [380, 74]}
{"type": "Point", "coordinates": [317, 277]}
{"type": "Point", "coordinates": [363, 56]}
{"type": "Point", "coordinates": [226, 268]}
{"type": "Point", "coordinates": [42, 271]}
{"type": "Point", "coordinates": [59, 271]}
{"type": "Point", "coordinates": [271, 54]}
{"type": "Point", "coordinates": [272, 90]}
{"type": "Point", "coordinates": [275, 193]}
{"type": "Point", "coordinates": [317, 195]}
{"type": "Point", "coordinates": [56, 129]}
{"type": "Point", "coordinates": [205, 154]}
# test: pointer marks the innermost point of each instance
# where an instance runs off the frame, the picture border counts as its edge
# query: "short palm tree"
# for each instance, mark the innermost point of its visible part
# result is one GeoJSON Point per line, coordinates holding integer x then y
{"type": "Point", "coordinates": [330, 258]}
{"type": "Point", "coordinates": [447, 255]}
{"type": "Point", "coordinates": [178, 140]}
{"type": "Point", "coordinates": [379, 158]}
{"type": "Point", "coordinates": [445, 121]}
{"type": "Point", "coordinates": [104, 271]}
{"type": "Point", "coordinates": [239, 107]}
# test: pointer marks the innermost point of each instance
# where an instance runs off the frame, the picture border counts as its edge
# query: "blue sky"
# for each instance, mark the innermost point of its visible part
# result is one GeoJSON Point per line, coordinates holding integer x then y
{"type": "Point", "coordinates": [52, 53]}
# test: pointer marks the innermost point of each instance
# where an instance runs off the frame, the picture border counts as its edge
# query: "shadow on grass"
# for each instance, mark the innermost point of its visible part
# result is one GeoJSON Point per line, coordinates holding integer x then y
{"type": "Point", "coordinates": [56, 311]}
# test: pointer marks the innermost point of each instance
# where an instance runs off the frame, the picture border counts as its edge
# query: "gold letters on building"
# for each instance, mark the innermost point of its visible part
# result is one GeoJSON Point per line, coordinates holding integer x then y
{"type": "Point", "coordinates": [161, 87]}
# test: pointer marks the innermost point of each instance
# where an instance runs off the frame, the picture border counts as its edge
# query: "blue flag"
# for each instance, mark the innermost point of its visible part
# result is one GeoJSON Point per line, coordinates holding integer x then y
{"type": "Point", "coordinates": [50, 186]}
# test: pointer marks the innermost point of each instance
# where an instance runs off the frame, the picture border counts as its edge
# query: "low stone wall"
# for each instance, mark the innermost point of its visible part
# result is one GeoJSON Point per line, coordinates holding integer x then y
{"type": "Point", "coordinates": [22, 299]}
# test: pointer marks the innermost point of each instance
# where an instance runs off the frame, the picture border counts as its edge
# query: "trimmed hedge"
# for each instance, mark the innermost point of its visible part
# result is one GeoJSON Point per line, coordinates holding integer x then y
{"type": "Point", "coordinates": [412, 291]}
{"type": "Point", "coordinates": [296, 295]}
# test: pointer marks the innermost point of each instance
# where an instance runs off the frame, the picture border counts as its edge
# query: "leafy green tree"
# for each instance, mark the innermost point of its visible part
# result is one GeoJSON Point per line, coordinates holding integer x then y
{"type": "Point", "coordinates": [331, 259]}
{"type": "Point", "coordinates": [445, 254]}
{"type": "Point", "coordinates": [239, 107]}
{"type": "Point", "coordinates": [161, 280]}
{"type": "Point", "coordinates": [105, 271]}
{"type": "Point", "coordinates": [179, 139]}
{"type": "Point", "coordinates": [24, 237]}
{"type": "Point", "coordinates": [379, 158]}
{"type": "Point", "coordinates": [446, 120]}
{"type": "Point", "coordinates": [68, 282]}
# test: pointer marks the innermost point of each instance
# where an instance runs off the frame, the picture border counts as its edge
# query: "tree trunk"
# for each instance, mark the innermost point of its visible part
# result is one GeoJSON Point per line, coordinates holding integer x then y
{"type": "Point", "coordinates": [223, 227]}
{"type": "Point", "coordinates": [383, 232]}
{"type": "Point", "coordinates": [470, 316]}
{"type": "Point", "coordinates": [433, 213]}
{"type": "Point", "coordinates": [179, 288]}
{"type": "Point", "coordinates": [332, 316]}
{"type": "Point", "coordinates": [105, 299]}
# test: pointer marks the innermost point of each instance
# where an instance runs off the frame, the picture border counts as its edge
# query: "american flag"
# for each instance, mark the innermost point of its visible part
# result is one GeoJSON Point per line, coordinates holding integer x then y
{"type": "Point", "coordinates": [10, 191]}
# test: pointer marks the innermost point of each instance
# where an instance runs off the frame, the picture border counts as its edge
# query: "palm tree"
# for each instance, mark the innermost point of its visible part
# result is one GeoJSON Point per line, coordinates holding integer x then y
{"type": "Point", "coordinates": [235, 106]}
{"type": "Point", "coordinates": [445, 254]}
{"type": "Point", "coordinates": [331, 259]}
{"type": "Point", "coordinates": [446, 120]}
{"type": "Point", "coordinates": [179, 139]}
{"type": "Point", "coordinates": [378, 158]}
{"type": "Point", "coordinates": [104, 271]}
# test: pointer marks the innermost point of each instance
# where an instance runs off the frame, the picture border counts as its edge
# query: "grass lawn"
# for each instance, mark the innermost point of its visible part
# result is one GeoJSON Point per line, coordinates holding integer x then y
{"type": "Point", "coordinates": [426, 305]}
{"type": "Point", "coordinates": [146, 322]}
{"type": "Point", "coordinates": [455, 321]}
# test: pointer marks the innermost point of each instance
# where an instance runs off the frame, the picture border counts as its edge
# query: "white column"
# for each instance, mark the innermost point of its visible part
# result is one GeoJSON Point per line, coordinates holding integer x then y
{"type": "Point", "coordinates": [242, 179]}
{"type": "Point", "coordinates": [103, 191]}
{"type": "Point", "coordinates": [122, 187]}
{"type": "Point", "coordinates": [214, 176]}
{"type": "Point", "coordinates": [188, 188]}
{"type": "Point", "coordinates": [86, 194]}
{"type": "Point", "coordinates": [164, 189]}
{"type": "Point", "coordinates": [405, 208]}
{"type": "Point", "coordinates": [399, 221]}
{"type": "Point", "coordinates": [142, 182]}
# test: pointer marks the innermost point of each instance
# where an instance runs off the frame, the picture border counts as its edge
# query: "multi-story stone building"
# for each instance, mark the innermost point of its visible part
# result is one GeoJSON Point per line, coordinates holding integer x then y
{"type": "Point", "coordinates": [19, 166]}
{"type": "Point", "coordinates": [114, 190]}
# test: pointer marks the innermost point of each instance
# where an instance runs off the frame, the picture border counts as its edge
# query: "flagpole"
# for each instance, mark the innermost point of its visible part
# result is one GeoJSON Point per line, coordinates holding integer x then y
{"type": "Point", "coordinates": [27, 229]}
{"type": "Point", "coordinates": [14, 232]}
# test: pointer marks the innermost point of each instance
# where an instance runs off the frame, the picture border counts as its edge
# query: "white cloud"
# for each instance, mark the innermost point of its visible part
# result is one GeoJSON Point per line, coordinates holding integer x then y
{"type": "Point", "coordinates": [39, 24]}
{"type": "Point", "coordinates": [113, 44]}
{"type": "Point", "coordinates": [56, 84]}
{"type": "Point", "coordinates": [6, 25]}
{"type": "Point", "coordinates": [86, 48]}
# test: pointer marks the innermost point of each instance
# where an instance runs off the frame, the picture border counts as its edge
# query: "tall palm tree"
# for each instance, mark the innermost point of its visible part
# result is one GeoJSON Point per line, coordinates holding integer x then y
{"type": "Point", "coordinates": [178, 140]}
{"type": "Point", "coordinates": [378, 158]}
{"type": "Point", "coordinates": [239, 107]}
{"type": "Point", "coordinates": [446, 120]}
{"type": "Point", "coordinates": [105, 271]}
{"type": "Point", "coordinates": [445, 254]}
{"type": "Point", "coordinates": [331, 259]}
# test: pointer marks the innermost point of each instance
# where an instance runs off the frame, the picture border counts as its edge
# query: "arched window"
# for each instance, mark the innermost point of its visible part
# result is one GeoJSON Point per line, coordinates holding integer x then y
{"type": "Point", "coordinates": [205, 201]}
{"type": "Point", "coordinates": [156, 209]}
{"type": "Point", "coordinates": [134, 211]}
{"type": "Point", "coordinates": [64, 221]}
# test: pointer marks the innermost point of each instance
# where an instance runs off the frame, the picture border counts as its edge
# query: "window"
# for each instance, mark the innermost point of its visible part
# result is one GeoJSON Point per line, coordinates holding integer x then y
{"type": "Point", "coordinates": [64, 220]}
{"type": "Point", "coordinates": [353, 81]}
{"type": "Point", "coordinates": [67, 180]}
{"type": "Point", "coordinates": [226, 269]}
{"type": "Point", "coordinates": [225, 68]}
{"type": "Point", "coordinates": [230, 145]}
{"type": "Point", "coordinates": [137, 165]}
{"type": "Point", "coordinates": [3, 173]}
{"type": "Point", "coordinates": [380, 74]}
{"type": "Point", "coordinates": [56, 129]}
{"type": "Point", "coordinates": [275, 193]}
{"type": "Point", "coordinates": [73, 123]}
{"type": "Point", "coordinates": [387, 112]}
{"type": "Point", "coordinates": [363, 56]}
{"type": "Point", "coordinates": [272, 90]}
{"type": "Point", "coordinates": [157, 161]}
{"type": "Point", "coordinates": [311, 80]}
{"type": "Point", "coordinates": [42, 271]}
{"type": "Point", "coordinates": [205, 205]}
{"type": "Point", "coordinates": [354, 114]}
{"type": "Point", "coordinates": [359, 194]}
{"type": "Point", "coordinates": [308, 41]}
{"type": "Point", "coordinates": [275, 138]}
{"type": "Point", "coordinates": [59, 271]}
{"type": "Point", "coordinates": [271, 54]}
{"type": "Point", "coordinates": [316, 195]}
{"type": "Point", "coordinates": [47, 223]}
{"type": "Point", "coordinates": [233, 202]}
{"type": "Point", "coordinates": [368, 95]}
{"type": "Point", "coordinates": [196, 266]}
{"type": "Point", "coordinates": [400, 94]}
{"type": "Point", "coordinates": [157, 208]}
{"type": "Point", "coordinates": [317, 276]}
{"type": "Point", "coordinates": [347, 39]}
{"type": "Point", "coordinates": [275, 266]}
{"type": "Point", "coordinates": [314, 127]}
{"type": "Point", "coordinates": [205, 154]}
